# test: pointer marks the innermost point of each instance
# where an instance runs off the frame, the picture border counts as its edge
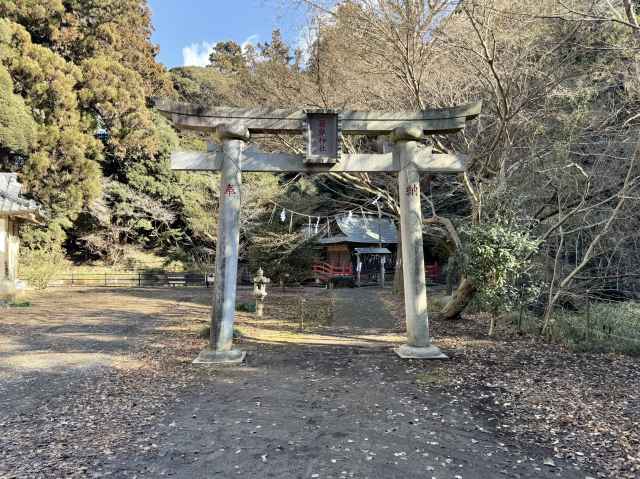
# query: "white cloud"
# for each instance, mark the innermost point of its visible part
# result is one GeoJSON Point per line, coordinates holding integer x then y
{"type": "Point", "coordinates": [197, 54]}
{"type": "Point", "coordinates": [308, 34]}
{"type": "Point", "coordinates": [306, 38]}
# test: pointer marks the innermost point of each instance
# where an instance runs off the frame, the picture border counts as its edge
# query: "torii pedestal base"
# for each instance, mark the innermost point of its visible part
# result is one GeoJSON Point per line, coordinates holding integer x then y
{"type": "Point", "coordinates": [410, 352]}
{"type": "Point", "coordinates": [232, 357]}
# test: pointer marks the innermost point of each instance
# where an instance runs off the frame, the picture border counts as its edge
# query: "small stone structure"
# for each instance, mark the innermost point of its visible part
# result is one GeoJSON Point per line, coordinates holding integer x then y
{"type": "Point", "coordinates": [378, 255]}
{"type": "Point", "coordinates": [14, 210]}
{"type": "Point", "coordinates": [260, 282]}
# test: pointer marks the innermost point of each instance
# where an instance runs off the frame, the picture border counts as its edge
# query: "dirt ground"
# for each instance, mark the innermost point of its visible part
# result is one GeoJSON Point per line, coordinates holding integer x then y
{"type": "Point", "coordinates": [99, 383]}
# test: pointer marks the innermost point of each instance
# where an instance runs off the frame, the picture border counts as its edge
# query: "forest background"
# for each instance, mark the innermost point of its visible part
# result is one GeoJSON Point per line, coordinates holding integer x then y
{"type": "Point", "coordinates": [545, 217]}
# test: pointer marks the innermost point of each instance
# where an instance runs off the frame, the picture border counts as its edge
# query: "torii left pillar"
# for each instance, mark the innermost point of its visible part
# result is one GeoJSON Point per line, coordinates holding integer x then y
{"type": "Point", "coordinates": [220, 349]}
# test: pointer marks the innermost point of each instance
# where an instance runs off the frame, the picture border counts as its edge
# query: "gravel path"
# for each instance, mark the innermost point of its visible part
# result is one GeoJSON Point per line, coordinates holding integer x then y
{"type": "Point", "coordinates": [294, 411]}
{"type": "Point", "coordinates": [327, 413]}
{"type": "Point", "coordinates": [361, 309]}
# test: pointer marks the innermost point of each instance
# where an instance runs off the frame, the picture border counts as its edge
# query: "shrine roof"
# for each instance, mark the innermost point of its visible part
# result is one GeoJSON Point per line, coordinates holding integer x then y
{"type": "Point", "coordinates": [12, 203]}
{"type": "Point", "coordinates": [367, 230]}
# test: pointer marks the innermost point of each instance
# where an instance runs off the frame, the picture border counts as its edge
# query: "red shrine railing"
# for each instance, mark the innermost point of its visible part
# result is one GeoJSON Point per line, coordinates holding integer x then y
{"type": "Point", "coordinates": [433, 271]}
{"type": "Point", "coordinates": [325, 271]}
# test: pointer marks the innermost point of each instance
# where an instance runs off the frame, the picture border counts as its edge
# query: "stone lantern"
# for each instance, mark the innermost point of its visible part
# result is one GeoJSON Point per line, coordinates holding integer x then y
{"type": "Point", "coordinates": [260, 282]}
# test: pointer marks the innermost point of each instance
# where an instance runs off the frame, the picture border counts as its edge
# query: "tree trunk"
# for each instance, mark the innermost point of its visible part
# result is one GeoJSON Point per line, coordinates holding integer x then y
{"type": "Point", "coordinates": [451, 274]}
{"type": "Point", "coordinates": [398, 285]}
{"type": "Point", "coordinates": [631, 16]}
{"type": "Point", "coordinates": [461, 298]}
{"type": "Point", "coordinates": [463, 295]}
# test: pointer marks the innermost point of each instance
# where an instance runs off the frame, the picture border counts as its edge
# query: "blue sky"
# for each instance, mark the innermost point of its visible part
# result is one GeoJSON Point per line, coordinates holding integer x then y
{"type": "Point", "coordinates": [186, 30]}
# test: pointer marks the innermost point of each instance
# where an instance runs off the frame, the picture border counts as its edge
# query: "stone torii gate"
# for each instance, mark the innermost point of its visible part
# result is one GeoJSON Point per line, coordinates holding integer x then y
{"type": "Point", "coordinates": [322, 130]}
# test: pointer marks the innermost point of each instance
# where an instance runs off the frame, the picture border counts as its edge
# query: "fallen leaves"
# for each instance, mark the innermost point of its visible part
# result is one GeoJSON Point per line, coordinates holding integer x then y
{"type": "Point", "coordinates": [581, 408]}
{"type": "Point", "coordinates": [584, 407]}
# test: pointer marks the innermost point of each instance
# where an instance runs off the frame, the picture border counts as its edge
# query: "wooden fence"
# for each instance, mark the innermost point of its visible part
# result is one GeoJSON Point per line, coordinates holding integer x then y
{"type": "Point", "coordinates": [133, 279]}
{"type": "Point", "coordinates": [163, 278]}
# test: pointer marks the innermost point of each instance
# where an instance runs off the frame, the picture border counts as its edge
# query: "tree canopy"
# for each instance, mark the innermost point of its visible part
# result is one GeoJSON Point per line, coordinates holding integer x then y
{"type": "Point", "coordinates": [557, 140]}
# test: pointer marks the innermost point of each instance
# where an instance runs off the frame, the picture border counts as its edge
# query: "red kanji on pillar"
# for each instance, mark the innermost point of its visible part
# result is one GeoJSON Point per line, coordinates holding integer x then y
{"type": "Point", "coordinates": [412, 190]}
{"type": "Point", "coordinates": [230, 190]}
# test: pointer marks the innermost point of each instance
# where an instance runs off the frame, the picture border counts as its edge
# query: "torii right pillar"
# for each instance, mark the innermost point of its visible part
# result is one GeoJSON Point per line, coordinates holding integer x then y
{"type": "Point", "coordinates": [405, 149]}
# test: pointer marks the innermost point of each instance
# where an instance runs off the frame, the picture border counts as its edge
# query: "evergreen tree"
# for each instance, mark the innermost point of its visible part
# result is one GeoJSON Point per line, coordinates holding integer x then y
{"type": "Point", "coordinates": [277, 51]}
{"type": "Point", "coordinates": [227, 58]}
{"type": "Point", "coordinates": [77, 66]}
{"type": "Point", "coordinates": [62, 171]}
{"type": "Point", "coordinates": [17, 126]}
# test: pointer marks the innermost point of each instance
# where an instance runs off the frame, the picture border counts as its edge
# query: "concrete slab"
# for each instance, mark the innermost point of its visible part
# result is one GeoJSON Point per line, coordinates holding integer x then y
{"type": "Point", "coordinates": [410, 352]}
{"type": "Point", "coordinates": [208, 356]}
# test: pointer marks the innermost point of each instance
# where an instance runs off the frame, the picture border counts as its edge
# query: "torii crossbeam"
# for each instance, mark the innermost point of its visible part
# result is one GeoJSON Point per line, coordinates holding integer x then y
{"type": "Point", "coordinates": [322, 129]}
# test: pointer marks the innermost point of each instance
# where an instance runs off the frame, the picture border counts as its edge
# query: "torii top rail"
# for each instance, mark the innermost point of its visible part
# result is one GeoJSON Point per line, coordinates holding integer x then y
{"type": "Point", "coordinates": [322, 130]}
{"type": "Point", "coordinates": [276, 120]}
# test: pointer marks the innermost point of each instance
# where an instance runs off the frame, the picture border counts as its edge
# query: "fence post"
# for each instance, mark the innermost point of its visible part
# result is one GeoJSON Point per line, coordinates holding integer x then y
{"type": "Point", "coordinates": [105, 278]}
{"type": "Point", "coordinates": [71, 279]}
{"type": "Point", "coordinates": [139, 280]}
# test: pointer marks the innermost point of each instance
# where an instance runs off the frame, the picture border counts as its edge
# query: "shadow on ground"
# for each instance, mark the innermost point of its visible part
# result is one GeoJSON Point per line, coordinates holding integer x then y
{"type": "Point", "coordinates": [328, 402]}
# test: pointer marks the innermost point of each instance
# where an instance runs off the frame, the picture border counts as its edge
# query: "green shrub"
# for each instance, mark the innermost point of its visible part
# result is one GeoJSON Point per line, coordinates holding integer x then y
{"type": "Point", "coordinates": [20, 304]}
{"type": "Point", "coordinates": [496, 256]}
{"type": "Point", "coordinates": [39, 266]}
{"type": "Point", "coordinates": [601, 327]}
{"type": "Point", "coordinates": [246, 307]}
